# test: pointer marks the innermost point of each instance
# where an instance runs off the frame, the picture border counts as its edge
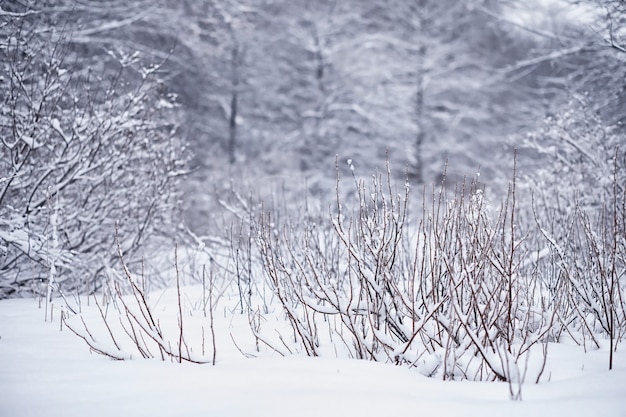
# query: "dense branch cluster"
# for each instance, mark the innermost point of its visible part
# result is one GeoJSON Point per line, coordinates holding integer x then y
{"type": "Point", "coordinates": [88, 141]}
{"type": "Point", "coordinates": [467, 292]}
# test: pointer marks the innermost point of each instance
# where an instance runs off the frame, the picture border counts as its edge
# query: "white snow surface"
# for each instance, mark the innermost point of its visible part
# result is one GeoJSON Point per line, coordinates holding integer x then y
{"type": "Point", "coordinates": [45, 372]}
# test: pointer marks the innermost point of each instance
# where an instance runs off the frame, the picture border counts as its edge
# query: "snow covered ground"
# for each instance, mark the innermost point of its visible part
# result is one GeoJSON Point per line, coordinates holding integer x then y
{"type": "Point", "coordinates": [47, 372]}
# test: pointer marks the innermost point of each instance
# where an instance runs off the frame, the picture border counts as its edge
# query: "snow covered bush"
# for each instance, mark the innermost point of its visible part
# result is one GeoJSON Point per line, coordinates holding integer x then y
{"type": "Point", "coordinates": [445, 291]}
{"type": "Point", "coordinates": [579, 158]}
{"type": "Point", "coordinates": [133, 328]}
{"type": "Point", "coordinates": [578, 197]}
{"type": "Point", "coordinates": [87, 143]}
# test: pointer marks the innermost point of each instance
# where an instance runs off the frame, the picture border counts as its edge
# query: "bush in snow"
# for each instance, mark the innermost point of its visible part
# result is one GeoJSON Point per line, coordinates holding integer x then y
{"type": "Point", "coordinates": [448, 293]}
{"type": "Point", "coordinates": [86, 144]}
{"type": "Point", "coordinates": [578, 198]}
{"type": "Point", "coordinates": [462, 290]}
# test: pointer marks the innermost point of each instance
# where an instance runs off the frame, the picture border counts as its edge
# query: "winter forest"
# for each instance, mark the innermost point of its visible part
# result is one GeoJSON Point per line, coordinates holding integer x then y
{"type": "Point", "coordinates": [438, 186]}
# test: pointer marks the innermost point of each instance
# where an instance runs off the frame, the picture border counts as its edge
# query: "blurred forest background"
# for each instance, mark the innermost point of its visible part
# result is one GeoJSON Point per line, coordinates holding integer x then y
{"type": "Point", "coordinates": [271, 92]}
{"type": "Point", "coordinates": [147, 115]}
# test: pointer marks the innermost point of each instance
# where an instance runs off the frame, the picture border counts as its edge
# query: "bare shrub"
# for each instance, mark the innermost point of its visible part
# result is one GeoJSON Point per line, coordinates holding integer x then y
{"type": "Point", "coordinates": [449, 294]}
{"type": "Point", "coordinates": [84, 142]}
{"type": "Point", "coordinates": [590, 269]}
{"type": "Point", "coordinates": [134, 329]}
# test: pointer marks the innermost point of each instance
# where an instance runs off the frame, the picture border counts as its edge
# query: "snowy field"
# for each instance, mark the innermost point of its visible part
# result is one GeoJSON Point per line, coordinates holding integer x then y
{"type": "Point", "coordinates": [48, 372]}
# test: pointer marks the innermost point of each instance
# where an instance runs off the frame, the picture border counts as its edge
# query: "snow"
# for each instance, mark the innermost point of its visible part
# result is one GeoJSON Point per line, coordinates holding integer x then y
{"type": "Point", "coordinates": [48, 372]}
